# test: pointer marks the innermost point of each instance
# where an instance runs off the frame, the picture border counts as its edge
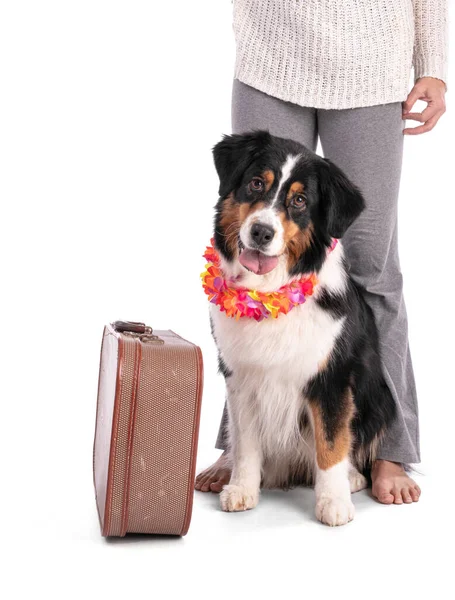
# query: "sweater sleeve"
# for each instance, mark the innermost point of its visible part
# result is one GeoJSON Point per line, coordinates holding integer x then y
{"type": "Point", "coordinates": [431, 39]}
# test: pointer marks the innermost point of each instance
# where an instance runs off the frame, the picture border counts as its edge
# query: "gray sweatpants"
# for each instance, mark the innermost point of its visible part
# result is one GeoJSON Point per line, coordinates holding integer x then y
{"type": "Point", "coordinates": [367, 144]}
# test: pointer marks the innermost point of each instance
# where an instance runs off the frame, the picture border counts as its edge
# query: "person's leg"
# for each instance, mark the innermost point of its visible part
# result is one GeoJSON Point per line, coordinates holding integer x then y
{"type": "Point", "coordinates": [252, 109]}
{"type": "Point", "coordinates": [367, 144]}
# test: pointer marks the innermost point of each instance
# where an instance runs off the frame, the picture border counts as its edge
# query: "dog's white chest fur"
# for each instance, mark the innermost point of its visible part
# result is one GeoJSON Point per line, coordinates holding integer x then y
{"type": "Point", "coordinates": [273, 360]}
{"type": "Point", "coordinates": [295, 344]}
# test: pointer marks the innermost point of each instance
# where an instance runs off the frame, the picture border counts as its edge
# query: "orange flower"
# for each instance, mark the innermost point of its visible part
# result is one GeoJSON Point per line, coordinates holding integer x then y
{"type": "Point", "coordinates": [239, 302]}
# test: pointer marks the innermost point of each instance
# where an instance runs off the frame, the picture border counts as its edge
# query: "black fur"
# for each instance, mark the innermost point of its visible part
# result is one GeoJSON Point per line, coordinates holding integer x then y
{"type": "Point", "coordinates": [355, 364]}
{"type": "Point", "coordinates": [332, 204]}
{"type": "Point", "coordinates": [342, 201]}
{"type": "Point", "coordinates": [333, 201]}
{"type": "Point", "coordinates": [222, 367]}
{"type": "Point", "coordinates": [234, 154]}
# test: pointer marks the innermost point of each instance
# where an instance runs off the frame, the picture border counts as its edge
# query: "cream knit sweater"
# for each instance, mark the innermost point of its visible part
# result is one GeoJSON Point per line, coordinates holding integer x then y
{"type": "Point", "coordinates": [339, 53]}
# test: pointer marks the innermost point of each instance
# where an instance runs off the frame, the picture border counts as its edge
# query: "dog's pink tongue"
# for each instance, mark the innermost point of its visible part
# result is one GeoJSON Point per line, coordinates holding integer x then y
{"type": "Point", "coordinates": [257, 262]}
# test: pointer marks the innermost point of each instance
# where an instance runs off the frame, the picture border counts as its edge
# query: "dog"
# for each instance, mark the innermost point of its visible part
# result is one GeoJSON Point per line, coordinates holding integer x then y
{"type": "Point", "coordinates": [306, 397]}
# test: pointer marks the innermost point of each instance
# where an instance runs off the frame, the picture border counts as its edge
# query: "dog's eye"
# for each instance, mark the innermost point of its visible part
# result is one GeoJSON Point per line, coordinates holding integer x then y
{"type": "Point", "coordinates": [298, 201]}
{"type": "Point", "coordinates": [256, 184]}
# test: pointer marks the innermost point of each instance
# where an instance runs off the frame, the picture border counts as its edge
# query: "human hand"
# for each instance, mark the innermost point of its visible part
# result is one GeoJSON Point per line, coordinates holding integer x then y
{"type": "Point", "coordinates": [432, 91]}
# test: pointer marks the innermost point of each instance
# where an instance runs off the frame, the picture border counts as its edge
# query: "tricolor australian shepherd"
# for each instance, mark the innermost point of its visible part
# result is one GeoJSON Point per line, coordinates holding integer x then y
{"type": "Point", "coordinates": [307, 400]}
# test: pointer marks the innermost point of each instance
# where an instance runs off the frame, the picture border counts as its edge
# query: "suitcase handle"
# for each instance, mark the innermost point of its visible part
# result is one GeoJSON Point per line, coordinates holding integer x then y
{"type": "Point", "coordinates": [139, 330]}
{"type": "Point", "coordinates": [131, 327]}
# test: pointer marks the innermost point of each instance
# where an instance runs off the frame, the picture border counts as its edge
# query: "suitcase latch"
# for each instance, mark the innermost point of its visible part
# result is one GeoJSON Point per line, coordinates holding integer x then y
{"type": "Point", "coordinates": [137, 330]}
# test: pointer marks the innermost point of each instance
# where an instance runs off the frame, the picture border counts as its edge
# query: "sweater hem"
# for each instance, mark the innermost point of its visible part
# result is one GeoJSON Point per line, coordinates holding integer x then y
{"type": "Point", "coordinates": [303, 100]}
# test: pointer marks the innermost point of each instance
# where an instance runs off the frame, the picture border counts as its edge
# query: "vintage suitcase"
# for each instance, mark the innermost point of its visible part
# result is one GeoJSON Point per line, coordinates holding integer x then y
{"type": "Point", "coordinates": [147, 423]}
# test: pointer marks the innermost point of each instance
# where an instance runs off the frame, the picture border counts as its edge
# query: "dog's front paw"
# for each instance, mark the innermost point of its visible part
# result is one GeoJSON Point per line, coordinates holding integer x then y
{"type": "Point", "coordinates": [235, 498]}
{"type": "Point", "coordinates": [334, 511]}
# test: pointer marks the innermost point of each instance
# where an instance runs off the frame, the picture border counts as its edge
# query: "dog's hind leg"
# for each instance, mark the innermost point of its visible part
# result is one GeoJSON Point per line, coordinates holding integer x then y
{"type": "Point", "coordinates": [242, 492]}
{"type": "Point", "coordinates": [357, 481]}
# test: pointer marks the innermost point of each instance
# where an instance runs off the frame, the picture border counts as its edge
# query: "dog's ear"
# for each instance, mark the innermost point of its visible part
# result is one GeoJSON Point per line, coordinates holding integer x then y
{"type": "Point", "coordinates": [341, 201]}
{"type": "Point", "coordinates": [234, 154]}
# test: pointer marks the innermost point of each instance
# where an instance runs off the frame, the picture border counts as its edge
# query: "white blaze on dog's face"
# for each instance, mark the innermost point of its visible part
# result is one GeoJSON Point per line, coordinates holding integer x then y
{"type": "Point", "coordinates": [280, 207]}
{"type": "Point", "coordinates": [262, 234]}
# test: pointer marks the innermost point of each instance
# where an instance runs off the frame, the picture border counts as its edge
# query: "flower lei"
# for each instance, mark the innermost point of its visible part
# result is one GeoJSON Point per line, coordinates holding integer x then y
{"type": "Point", "coordinates": [241, 302]}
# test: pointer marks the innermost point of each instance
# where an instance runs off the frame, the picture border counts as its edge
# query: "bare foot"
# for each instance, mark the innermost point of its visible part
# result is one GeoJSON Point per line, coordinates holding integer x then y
{"type": "Point", "coordinates": [392, 485]}
{"type": "Point", "coordinates": [215, 477]}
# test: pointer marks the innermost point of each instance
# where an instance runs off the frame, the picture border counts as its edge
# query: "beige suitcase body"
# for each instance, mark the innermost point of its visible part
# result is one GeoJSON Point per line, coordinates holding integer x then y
{"type": "Point", "coordinates": [147, 423]}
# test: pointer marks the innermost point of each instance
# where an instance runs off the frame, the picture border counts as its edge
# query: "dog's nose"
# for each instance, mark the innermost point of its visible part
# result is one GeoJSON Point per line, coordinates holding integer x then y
{"type": "Point", "coordinates": [262, 234]}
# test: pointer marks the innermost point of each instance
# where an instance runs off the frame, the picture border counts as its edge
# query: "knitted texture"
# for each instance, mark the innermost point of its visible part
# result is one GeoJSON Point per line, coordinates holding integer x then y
{"type": "Point", "coordinates": [339, 54]}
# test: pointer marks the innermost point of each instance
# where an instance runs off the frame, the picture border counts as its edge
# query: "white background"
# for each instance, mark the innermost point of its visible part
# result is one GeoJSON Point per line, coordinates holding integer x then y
{"type": "Point", "coordinates": [108, 114]}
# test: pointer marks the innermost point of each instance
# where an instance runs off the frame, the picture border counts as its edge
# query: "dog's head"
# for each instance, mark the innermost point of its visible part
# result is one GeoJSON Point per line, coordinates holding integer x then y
{"type": "Point", "coordinates": [279, 204]}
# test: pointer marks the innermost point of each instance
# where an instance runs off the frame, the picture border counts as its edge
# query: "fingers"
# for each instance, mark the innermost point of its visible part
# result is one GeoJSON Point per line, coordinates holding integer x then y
{"type": "Point", "coordinates": [432, 92]}
{"type": "Point", "coordinates": [414, 95]}
{"type": "Point", "coordinates": [431, 111]}
{"type": "Point", "coordinates": [428, 126]}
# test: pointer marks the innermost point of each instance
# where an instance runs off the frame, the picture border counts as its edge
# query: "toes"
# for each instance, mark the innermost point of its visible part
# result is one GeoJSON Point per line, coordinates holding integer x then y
{"type": "Point", "coordinates": [217, 486]}
{"type": "Point", "coordinates": [198, 482]}
{"type": "Point", "coordinates": [203, 484]}
{"type": "Point", "coordinates": [405, 494]}
{"type": "Point", "coordinates": [398, 497]}
{"type": "Point", "coordinates": [396, 490]}
{"type": "Point", "coordinates": [385, 497]}
{"type": "Point", "coordinates": [383, 492]}
{"type": "Point", "coordinates": [212, 479]}
{"type": "Point", "coordinates": [414, 493]}
{"type": "Point", "coordinates": [202, 478]}
{"type": "Point", "coordinates": [205, 487]}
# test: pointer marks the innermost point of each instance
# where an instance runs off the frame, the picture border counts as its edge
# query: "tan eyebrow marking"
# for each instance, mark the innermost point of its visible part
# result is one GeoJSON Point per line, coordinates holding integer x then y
{"type": "Point", "coordinates": [269, 178]}
{"type": "Point", "coordinates": [296, 188]}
